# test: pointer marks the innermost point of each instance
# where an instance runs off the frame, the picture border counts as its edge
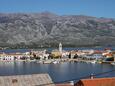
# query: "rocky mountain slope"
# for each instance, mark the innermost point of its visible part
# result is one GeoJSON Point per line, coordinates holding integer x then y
{"type": "Point", "coordinates": [48, 29]}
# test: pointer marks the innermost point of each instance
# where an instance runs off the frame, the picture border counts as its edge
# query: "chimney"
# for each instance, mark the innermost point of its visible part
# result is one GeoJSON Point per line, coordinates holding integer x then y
{"type": "Point", "coordinates": [92, 76]}
{"type": "Point", "coordinates": [72, 83]}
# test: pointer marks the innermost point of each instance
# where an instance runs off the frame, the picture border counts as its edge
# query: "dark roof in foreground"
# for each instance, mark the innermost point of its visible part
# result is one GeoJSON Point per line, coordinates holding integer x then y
{"type": "Point", "coordinates": [96, 82]}
{"type": "Point", "coordinates": [26, 80]}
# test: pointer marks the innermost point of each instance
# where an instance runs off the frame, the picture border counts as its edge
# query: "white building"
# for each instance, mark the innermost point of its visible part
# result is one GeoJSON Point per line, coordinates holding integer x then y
{"type": "Point", "coordinates": [7, 57]}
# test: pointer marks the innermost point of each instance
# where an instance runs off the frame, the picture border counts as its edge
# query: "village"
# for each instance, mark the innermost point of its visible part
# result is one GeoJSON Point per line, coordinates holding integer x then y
{"type": "Point", "coordinates": [59, 55]}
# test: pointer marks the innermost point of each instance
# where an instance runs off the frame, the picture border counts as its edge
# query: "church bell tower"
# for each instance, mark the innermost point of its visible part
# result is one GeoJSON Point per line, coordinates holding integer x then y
{"type": "Point", "coordinates": [60, 47]}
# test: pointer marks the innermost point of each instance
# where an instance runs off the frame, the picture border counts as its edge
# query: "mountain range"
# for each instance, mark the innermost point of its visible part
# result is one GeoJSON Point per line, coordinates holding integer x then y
{"type": "Point", "coordinates": [33, 30]}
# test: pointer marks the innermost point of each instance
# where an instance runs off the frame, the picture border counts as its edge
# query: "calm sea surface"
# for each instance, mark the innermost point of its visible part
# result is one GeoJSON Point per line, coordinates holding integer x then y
{"type": "Point", "coordinates": [58, 72]}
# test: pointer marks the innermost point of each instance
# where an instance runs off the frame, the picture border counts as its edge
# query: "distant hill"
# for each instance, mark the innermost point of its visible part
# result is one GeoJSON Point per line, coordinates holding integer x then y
{"type": "Point", "coordinates": [47, 30]}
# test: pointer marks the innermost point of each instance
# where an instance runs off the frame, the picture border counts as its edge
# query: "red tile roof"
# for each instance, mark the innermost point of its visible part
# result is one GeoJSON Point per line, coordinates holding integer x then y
{"type": "Point", "coordinates": [96, 82]}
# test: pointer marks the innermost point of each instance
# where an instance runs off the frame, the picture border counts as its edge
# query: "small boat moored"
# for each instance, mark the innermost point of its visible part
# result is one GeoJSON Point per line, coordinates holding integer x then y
{"type": "Point", "coordinates": [55, 62]}
{"type": "Point", "coordinates": [113, 63]}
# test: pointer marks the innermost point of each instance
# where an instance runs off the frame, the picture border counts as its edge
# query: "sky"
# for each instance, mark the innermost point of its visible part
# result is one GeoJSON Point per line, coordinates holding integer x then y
{"type": "Point", "coordinates": [97, 8]}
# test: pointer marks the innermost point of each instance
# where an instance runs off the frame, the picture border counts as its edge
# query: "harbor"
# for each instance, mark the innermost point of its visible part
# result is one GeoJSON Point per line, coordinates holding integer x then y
{"type": "Point", "coordinates": [60, 55]}
{"type": "Point", "coordinates": [60, 64]}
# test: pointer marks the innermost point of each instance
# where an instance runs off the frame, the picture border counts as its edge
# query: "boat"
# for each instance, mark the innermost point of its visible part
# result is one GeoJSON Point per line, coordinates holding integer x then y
{"type": "Point", "coordinates": [99, 62]}
{"type": "Point", "coordinates": [41, 61]}
{"type": "Point", "coordinates": [113, 63]}
{"type": "Point", "coordinates": [47, 62]}
{"type": "Point", "coordinates": [55, 62]}
{"type": "Point", "coordinates": [93, 62]}
{"type": "Point", "coordinates": [109, 59]}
